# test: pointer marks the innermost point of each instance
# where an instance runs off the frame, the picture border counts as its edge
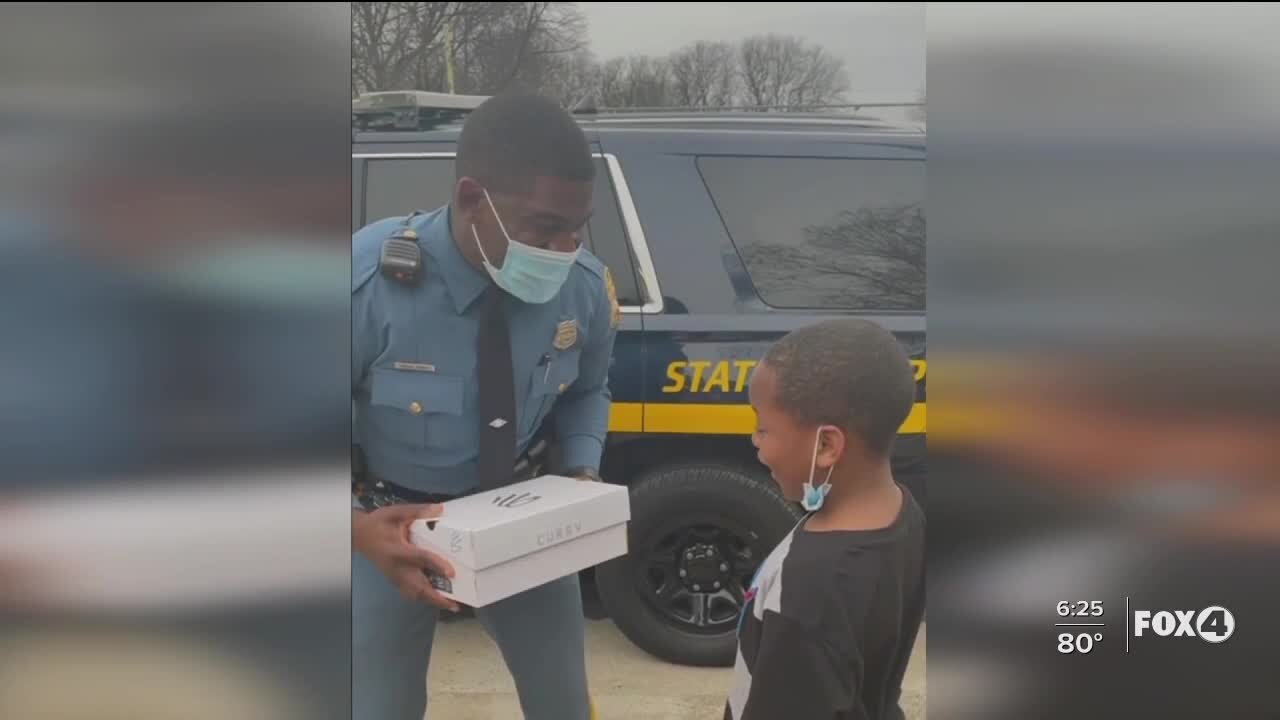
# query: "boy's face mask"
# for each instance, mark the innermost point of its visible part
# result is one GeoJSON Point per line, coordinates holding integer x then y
{"type": "Point", "coordinates": [532, 274]}
{"type": "Point", "coordinates": [815, 496]}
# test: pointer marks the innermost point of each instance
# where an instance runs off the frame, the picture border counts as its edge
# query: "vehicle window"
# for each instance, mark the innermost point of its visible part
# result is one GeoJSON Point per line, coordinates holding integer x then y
{"type": "Point", "coordinates": [826, 233]}
{"type": "Point", "coordinates": [357, 182]}
{"type": "Point", "coordinates": [608, 238]}
{"type": "Point", "coordinates": [398, 186]}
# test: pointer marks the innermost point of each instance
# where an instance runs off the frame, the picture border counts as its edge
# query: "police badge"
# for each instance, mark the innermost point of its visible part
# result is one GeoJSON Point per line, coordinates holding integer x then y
{"type": "Point", "coordinates": [566, 335]}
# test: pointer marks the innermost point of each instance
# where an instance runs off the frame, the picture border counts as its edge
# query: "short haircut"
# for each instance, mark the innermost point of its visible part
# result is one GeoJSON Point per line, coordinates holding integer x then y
{"type": "Point", "coordinates": [845, 372]}
{"type": "Point", "coordinates": [512, 138]}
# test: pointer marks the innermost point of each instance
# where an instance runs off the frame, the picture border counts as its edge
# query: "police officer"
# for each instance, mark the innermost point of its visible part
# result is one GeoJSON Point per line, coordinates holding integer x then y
{"type": "Point", "coordinates": [479, 330]}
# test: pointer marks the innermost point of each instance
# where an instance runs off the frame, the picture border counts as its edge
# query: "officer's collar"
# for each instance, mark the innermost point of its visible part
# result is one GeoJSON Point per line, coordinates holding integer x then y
{"type": "Point", "coordinates": [464, 282]}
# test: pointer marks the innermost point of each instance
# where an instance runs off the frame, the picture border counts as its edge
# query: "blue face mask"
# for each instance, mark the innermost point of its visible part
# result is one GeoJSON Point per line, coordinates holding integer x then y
{"type": "Point", "coordinates": [532, 274]}
{"type": "Point", "coordinates": [815, 496]}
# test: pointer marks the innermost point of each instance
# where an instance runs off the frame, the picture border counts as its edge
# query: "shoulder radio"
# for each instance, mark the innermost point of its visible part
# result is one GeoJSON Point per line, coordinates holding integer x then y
{"type": "Point", "coordinates": [401, 258]}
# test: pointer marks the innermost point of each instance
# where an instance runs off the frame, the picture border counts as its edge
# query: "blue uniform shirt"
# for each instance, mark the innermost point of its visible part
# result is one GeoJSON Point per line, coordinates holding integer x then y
{"type": "Point", "coordinates": [413, 362]}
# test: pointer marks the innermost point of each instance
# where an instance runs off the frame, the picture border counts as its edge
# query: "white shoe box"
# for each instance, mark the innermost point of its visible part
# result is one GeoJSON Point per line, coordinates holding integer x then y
{"type": "Point", "coordinates": [503, 542]}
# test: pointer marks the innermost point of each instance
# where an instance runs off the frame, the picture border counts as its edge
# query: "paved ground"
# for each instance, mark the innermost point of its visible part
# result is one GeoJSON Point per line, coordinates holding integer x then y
{"type": "Point", "coordinates": [468, 680]}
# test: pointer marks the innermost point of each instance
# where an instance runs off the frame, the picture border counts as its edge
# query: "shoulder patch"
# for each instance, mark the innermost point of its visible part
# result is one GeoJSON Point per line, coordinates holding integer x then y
{"type": "Point", "coordinates": [615, 316]}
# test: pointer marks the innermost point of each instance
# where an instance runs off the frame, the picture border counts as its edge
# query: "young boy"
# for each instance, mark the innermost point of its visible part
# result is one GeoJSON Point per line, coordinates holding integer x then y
{"type": "Point", "coordinates": [831, 616]}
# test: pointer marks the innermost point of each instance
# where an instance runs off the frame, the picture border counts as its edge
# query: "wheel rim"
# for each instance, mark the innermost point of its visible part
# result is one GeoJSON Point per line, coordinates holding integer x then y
{"type": "Point", "coordinates": [693, 572]}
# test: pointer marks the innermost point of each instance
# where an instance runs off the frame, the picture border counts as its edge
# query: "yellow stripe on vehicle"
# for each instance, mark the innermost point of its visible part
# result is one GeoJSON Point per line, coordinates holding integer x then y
{"type": "Point", "coordinates": [709, 419]}
{"type": "Point", "coordinates": [626, 417]}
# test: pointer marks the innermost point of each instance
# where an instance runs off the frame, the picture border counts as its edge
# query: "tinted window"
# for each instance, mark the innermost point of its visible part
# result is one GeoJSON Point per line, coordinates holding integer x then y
{"type": "Point", "coordinates": [826, 233]}
{"type": "Point", "coordinates": [357, 182]}
{"type": "Point", "coordinates": [608, 238]}
{"type": "Point", "coordinates": [397, 186]}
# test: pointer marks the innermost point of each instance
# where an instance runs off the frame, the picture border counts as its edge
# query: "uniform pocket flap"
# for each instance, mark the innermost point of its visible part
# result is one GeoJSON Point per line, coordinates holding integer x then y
{"type": "Point", "coordinates": [417, 393]}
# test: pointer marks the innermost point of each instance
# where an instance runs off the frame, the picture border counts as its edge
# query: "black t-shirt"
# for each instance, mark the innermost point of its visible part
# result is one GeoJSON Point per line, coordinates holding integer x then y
{"type": "Point", "coordinates": [830, 622]}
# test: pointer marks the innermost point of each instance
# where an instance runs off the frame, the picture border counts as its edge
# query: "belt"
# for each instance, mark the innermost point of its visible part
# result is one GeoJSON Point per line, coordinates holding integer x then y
{"type": "Point", "coordinates": [373, 492]}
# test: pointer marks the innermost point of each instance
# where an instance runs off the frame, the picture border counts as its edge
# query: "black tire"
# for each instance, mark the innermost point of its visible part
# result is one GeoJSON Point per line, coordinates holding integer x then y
{"type": "Point", "coordinates": [703, 506]}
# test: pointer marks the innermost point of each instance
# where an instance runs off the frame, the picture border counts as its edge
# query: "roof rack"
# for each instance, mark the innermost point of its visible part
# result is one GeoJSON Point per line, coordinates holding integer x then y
{"type": "Point", "coordinates": [797, 108]}
{"type": "Point", "coordinates": [841, 114]}
{"type": "Point", "coordinates": [421, 110]}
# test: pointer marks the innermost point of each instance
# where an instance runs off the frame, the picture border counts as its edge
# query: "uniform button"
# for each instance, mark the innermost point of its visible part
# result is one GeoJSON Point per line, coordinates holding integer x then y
{"type": "Point", "coordinates": [563, 386]}
{"type": "Point", "coordinates": [415, 407]}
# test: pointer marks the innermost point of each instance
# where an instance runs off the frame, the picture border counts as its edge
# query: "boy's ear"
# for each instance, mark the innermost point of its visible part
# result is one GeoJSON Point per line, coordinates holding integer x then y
{"type": "Point", "coordinates": [832, 446]}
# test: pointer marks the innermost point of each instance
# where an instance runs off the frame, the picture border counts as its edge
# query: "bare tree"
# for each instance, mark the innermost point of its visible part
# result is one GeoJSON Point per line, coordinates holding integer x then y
{"type": "Point", "coordinates": [523, 45]}
{"type": "Point", "coordinates": [560, 63]}
{"type": "Point", "coordinates": [650, 82]}
{"type": "Point", "coordinates": [573, 78]}
{"type": "Point", "coordinates": [785, 70]}
{"type": "Point", "coordinates": [613, 76]}
{"type": "Point", "coordinates": [704, 74]}
{"type": "Point", "coordinates": [386, 41]}
{"type": "Point", "coordinates": [636, 81]}
{"type": "Point", "coordinates": [489, 46]}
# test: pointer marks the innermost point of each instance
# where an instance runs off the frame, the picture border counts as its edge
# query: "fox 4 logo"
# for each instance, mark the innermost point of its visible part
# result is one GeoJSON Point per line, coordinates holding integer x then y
{"type": "Point", "coordinates": [1213, 624]}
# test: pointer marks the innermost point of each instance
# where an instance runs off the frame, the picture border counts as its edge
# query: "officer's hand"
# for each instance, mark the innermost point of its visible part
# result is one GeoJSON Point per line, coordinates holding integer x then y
{"type": "Point", "coordinates": [586, 475]}
{"type": "Point", "coordinates": [383, 537]}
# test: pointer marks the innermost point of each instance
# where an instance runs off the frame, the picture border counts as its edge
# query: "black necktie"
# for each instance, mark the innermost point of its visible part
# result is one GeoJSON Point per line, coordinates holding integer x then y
{"type": "Point", "coordinates": [497, 404]}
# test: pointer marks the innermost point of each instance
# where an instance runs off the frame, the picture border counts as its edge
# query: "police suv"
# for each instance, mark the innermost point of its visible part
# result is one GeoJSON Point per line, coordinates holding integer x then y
{"type": "Point", "coordinates": [722, 232]}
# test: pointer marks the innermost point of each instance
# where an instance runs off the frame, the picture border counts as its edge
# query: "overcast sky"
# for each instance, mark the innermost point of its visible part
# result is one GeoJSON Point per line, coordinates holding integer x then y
{"type": "Point", "coordinates": [882, 44]}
